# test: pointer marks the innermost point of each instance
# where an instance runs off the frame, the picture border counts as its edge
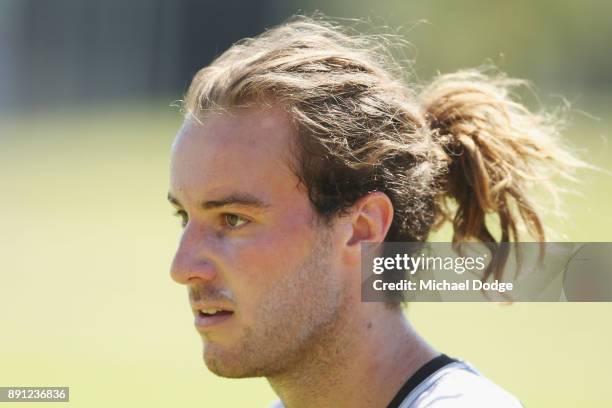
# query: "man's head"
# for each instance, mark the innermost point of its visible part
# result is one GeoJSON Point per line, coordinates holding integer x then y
{"type": "Point", "coordinates": [254, 245]}
{"type": "Point", "coordinates": [279, 180]}
{"type": "Point", "coordinates": [300, 144]}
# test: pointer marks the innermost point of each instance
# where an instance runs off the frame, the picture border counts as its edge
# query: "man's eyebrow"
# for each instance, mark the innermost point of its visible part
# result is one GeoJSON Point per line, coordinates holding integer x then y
{"type": "Point", "coordinates": [238, 199]}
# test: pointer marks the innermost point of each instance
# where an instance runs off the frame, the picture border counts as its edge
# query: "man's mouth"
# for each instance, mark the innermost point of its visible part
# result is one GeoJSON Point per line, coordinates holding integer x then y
{"type": "Point", "coordinates": [211, 311]}
{"type": "Point", "coordinates": [207, 317]}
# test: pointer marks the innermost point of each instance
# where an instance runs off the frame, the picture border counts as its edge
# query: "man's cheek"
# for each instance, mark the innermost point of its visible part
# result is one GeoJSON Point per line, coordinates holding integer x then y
{"type": "Point", "coordinates": [270, 255]}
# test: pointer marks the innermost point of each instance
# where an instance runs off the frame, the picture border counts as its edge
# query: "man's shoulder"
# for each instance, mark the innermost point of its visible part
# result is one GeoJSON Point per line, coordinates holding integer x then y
{"type": "Point", "coordinates": [459, 385]}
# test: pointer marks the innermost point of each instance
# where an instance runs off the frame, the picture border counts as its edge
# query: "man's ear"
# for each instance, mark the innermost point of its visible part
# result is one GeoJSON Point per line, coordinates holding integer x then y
{"type": "Point", "coordinates": [368, 220]}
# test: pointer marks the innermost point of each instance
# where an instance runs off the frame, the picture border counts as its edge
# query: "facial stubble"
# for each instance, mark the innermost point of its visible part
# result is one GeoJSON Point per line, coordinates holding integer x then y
{"type": "Point", "coordinates": [299, 315]}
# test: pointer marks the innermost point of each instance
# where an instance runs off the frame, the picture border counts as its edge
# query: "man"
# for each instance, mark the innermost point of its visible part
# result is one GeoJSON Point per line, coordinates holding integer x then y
{"type": "Point", "coordinates": [297, 148]}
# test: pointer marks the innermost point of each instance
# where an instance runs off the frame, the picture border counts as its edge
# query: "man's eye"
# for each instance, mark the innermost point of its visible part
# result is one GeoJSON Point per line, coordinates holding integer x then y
{"type": "Point", "coordinates": [183, 216]}
{"type": "Point", "coordinates": [234, 220]}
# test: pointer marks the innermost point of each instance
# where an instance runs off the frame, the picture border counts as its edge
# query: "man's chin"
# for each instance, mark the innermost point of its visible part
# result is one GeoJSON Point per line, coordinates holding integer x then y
{"type": "Point", "coordinates": [222, 363]}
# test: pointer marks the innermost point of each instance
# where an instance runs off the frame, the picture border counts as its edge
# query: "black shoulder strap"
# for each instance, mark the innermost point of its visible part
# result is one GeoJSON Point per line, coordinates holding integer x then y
{"type": "Point", "coordinates": [418, 377]}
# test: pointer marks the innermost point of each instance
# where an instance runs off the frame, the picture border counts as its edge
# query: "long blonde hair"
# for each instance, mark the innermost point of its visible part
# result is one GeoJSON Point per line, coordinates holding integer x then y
{"type": "Point", "coordinates": [457, 149]}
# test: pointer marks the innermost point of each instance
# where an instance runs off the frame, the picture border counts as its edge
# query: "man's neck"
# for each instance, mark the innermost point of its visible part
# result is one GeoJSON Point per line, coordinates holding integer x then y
{"type": "Point", "coordinates": [363, 364]}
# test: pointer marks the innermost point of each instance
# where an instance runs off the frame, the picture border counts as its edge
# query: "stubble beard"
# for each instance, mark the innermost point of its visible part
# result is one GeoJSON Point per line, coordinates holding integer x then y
{"type": "Point", "coordinates": [296, 321]}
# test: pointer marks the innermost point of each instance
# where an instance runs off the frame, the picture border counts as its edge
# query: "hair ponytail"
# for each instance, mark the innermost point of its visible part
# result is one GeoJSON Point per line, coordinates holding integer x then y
{"type": "Point", "coordinates": [496, 150]}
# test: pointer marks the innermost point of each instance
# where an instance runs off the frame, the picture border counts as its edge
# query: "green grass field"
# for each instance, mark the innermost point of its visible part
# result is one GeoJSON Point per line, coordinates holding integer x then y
{"type": "Point", "coordinates": [86, 299]}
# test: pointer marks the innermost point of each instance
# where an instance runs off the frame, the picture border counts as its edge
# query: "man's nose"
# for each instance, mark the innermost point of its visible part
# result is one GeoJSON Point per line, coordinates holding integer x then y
{"type": "Point", "coordinates": [192, 261]}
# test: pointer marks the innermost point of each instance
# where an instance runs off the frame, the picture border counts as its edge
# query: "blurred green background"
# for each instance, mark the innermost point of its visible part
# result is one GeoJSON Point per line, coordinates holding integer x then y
{"type": "Point", "coordinates": [87, 236]}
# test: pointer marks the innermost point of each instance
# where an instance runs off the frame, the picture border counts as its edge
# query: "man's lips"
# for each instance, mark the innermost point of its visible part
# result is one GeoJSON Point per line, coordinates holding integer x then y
{"type": "Point", "coordinates": [210, 307]}
{"type": "Point", "coordinates": [209, 314]}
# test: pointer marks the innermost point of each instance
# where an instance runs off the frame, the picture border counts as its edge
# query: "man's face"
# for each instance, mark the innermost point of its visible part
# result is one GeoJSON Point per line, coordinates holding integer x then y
{"type": "Point", "coordinates": [251, 245]}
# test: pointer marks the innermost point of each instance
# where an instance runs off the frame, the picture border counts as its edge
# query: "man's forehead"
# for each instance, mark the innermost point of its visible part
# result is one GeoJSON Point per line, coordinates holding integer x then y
{"type": "Point", "coordinates": [255, 128]}
{"type": "Point", "coordinates": [232, 149]}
